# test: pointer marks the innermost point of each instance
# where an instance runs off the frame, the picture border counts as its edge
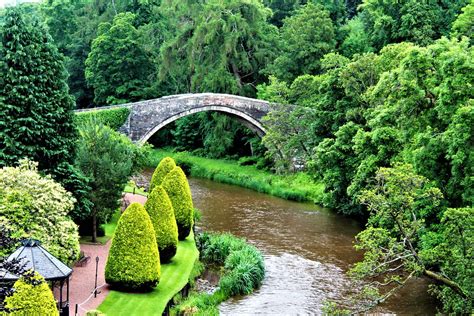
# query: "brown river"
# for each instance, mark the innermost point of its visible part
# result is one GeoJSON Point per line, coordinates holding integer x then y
{"type": "Point", "coordinates": [307, 250]}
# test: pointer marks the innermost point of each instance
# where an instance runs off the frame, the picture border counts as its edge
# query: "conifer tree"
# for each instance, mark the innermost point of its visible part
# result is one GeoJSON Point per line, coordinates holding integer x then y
{"type": "Point", "coordinates": [164, 167]}
{"type": "Point", "coordinates": [133, 262]}
{"type": "Point", "coordinates": [36, 117]}
{"type": "Point", "coordinates": [177, 187]}
{"type": "Point", "coordinates": [162, 217]}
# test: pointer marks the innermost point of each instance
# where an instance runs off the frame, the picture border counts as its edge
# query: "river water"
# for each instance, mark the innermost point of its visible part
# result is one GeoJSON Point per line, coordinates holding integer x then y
{"type": "Point", "coordinates": [307, 250]}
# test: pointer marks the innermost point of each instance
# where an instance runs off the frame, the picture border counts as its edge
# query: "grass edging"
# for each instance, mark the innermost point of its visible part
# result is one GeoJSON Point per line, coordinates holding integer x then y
{"type": "Point", "coordinates": [174, 276]}
{"type": "Point", "coordinates": [297, 187]}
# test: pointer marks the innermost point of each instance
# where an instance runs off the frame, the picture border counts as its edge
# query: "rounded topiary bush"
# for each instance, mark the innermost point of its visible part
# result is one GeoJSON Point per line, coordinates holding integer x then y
{"type": "Point", "coordinates": [133, 262]}
{"type": "Point", "coordinates": [177, 187]}
{"type": "Point", "coordinates": [31, 299]}
{"type": "Point", "coordinates": [164, 167]}
{"type": "Point", "coordinates": [162, 217]}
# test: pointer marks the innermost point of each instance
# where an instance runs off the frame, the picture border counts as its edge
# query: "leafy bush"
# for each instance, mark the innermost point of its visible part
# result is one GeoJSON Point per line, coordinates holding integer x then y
{"type": "Point", "coordinates": [164, 167]}
{"type": "Point", "coordinates": [31, 298]}
{"type": "Point", "coordinates": [244, 271]}
{"type": "Point", "coordinates": [133, 262]}
{"type": "Point", "coordinates": [33, 206]}
{"type": "Point", "coordinates": [177, 187]}
{"type": "Point", "coordinates": [113, 118]}
{"type": "Point", "coordinates": [162, 217]}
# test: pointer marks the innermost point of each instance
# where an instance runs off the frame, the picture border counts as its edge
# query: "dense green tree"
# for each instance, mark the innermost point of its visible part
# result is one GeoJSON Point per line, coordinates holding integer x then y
{"type": "Point", "coordinates": [464, 24]}
{"type": "Point", "coordinates": [402, 205]}
{"type": "Point", "coordinates": [118, 68]}
{"type": "Point", "coordinates": [133, 262]}
{"type": "Point", "coordinates": [305, 37]}
{"type": "Point", "coordinates": [108, 159]}
{"type": "Point", "coordinates": [36, 118]}
{"type": "Point", "coordinates": [35, 206]}
{"type": "Point", "coordinates": [223, 49]}
{"type": "Point", "coordinates": [162, 217]}
{"type": "Point", "coordinates": [409, 20]}
{"type": "Point", "coordinates": [30, 298]}
{"type": "Point", "coordinates": [177, 187]}
{"type": "Point", "coordinates": [356, 39]}
{"type": "Point", "coordinates": [282, 9]}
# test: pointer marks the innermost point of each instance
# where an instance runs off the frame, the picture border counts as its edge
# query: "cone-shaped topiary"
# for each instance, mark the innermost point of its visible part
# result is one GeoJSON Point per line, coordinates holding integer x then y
{"type": "Point", "coordinates": [162, 217]}
{"type": "Point", "coordinates": [164, 167]}
{"type": "Point", "coordinates": [177, 187]}
{"type": "Point", "coordinates": [29, 299]}
{"type": "Point", "coordinates": [133, 262]}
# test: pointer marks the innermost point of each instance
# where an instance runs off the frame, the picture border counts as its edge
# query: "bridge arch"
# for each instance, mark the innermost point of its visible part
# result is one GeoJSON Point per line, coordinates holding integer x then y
{"type": "Point", "coordinates": [242, 117]}
{"type": "Point", "coordinates": [147, 117]}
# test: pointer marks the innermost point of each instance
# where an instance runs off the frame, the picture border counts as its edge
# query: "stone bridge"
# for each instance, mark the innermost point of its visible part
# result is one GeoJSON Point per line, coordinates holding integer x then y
{"type": "Point", "coordinates": [147, 117]}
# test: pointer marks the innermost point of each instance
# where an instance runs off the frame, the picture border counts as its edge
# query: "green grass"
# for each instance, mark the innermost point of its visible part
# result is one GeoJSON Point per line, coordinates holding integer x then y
{"type": "Point", "coordinates": [129, 189]}
{"type": "Point", "coordinates": [109, 229]}
{"type": "Point", "coordinates": [298, 187]}
{"type": "Point", "coordinates": [174, 276]}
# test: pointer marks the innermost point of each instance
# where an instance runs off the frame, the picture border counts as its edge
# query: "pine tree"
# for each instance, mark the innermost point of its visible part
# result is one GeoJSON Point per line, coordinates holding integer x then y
{"type": "Point", "coordinates": [36, 117]}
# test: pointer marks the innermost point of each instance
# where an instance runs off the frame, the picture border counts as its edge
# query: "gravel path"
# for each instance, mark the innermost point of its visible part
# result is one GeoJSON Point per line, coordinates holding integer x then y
{"type": "Point", "coordinates": [83, 278]}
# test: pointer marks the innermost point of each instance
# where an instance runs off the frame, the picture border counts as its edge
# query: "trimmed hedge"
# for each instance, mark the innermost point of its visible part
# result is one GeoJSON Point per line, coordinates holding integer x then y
{"type": "Point", "coordinates": [113, 118]}
{"type": "Point", "coordinates": [133, 262]}
{"type": "Point", "coordinates": [162, 217]}
{"type": "Point", "coordinates": [29, 299]}
{"type": "Point", "coordinates": [177, 187]}
{"type": "Point", "coordinates": [164, 167]}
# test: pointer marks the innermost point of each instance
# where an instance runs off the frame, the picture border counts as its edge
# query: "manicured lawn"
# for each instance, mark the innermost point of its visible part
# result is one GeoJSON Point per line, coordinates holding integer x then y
{"type": "Point", "coordinates": [298, 187]}
{"type": "Point", "coordinates": [174, 276]}
{"type": "Point", "coordinates": [129, 189]}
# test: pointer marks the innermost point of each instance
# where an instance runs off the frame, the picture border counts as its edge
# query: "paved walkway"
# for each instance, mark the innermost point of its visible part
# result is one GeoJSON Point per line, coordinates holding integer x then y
{"type": "Point", "coordinates": [83, 278]}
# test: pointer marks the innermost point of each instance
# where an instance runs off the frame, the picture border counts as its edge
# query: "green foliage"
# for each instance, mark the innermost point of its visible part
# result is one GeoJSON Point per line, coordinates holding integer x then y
{"type": "Point", "coordinates": [113, 118]}
{"type": "Point", "coordinates": [399, 242]}
{"type": "Point", "coordinates": [118, 67]}
{"type": "Point", "coordinates": [221, 48]}
{"type": "Point", "coordinates": [107, 158]}
{"type": "Point", "coordinates": [35, 106]}
{"type": "Point", "coordinates": [243, 271]}
{"type": "Point", "coordinates": [177, 187]}
{"type": "Point", "coordinates": [164, 167]}
{"type": "Point", "coordinates": [162, 217]}
{"type": "Point", "coordinates": [133, 262]}
{"type": "Point", "coordinates": [356, 40]}
{"type": "Point", "coordinates": [414, 21]}
{"type": "Point", "coordinates": [31, 299]}
{"type": "Point", "coordinates": [464, 24]}
{"type": "Point", "coordinates": [306, 36]}
{"type": "Point", "coordinates": [34, 206]}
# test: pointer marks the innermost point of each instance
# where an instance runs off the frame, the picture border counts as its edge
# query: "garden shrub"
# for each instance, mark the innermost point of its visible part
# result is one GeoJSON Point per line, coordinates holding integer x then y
{"type": "Point", "coordinates": [177, 187]}
{"type": "Point", "coordinates": [35, 206]}
{"type": "Point", "coordinates": [162, 217]}
{"type": "Point", "coordinates": [133, 262]}
{"type": "Point", "coordinates": [164, 167]}
{"type": "Point", "coordinates": [113, 118]}
{"type": "Point", "coordinates": [31, 298]}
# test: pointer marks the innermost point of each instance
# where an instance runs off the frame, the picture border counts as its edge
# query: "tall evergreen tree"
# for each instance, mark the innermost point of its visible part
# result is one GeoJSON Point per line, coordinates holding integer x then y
{"type": "Point", "coordinates": [36, 117]}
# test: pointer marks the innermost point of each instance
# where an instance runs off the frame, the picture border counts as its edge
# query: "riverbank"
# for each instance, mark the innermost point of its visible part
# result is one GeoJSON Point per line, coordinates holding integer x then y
{"type": "Point", "coordinates": [296, 187]}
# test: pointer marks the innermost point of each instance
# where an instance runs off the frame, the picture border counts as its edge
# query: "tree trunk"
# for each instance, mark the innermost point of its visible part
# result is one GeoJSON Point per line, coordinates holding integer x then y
{"type": "Point", "coordinates": [94, 227]}
{"type": "Point", "coordinates": [453, 285]}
